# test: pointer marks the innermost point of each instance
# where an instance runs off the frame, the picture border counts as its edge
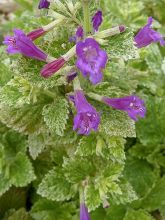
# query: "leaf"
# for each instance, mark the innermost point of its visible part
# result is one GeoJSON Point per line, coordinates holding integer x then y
{"type": "Point", "coordinates": [156, 197]}
{"type": "Point", "coordinates": [154, 59]}
{"type": "Point", "coordinates": [55, 187]}
{"type": "Point", "coordinates": [122, 46]}
{"type": "Point", "coordinates": [140, 175]}
{"type": "Point", "coordinates": [137, 215]}
{"type": "Point", "coordinates": [36, 143]}
{"type": "Point", "coordinates": [47, 210]}
{"type": "Point", "coordinates": [87, 145]}
{"type": "Point", "coordinates": [77, 169]}
{"type": "Point", "coordinates": [5, 184]}
{"type": "Point", "coordinates": [27, 119]}
{"type": "Point", "coordinates": [18, 92]}
{"type": "Point", "coordinates": [92, 197]}
{"type": "Point", "coordinates": [56, 115]}
{"type": "Point", "coordinates": [21, 171]}
{"type": "Point", "coordinates": [117, 123]}
{"type": "Point", "coordinates": [20, 214]}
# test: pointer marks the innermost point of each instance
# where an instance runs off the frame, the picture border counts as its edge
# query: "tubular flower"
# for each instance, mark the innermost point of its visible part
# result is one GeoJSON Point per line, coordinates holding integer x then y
{"type": "Point", "coordinates": [147, 36]}
{"type": "Point", "coordinates": [91, 59]}
{"type": "Point", "coordinates": [133, 105]}
{"type": "Point", "coordinates": [43, 4]}
{"type": "Point", "coordinates": [84, 215]}
{"type": "Point", "coordinates": [33, 35]}
{"type": "Point", "coordinates": [97, 20]}
{"type": "Point", "coordinates": [51, 68]}
{"type": "Point", "coordinates": [87, 117]}
{"type": "Point", "coordinates": [20, 43]}
{"type": "Point", "coordinates": [79, 35]}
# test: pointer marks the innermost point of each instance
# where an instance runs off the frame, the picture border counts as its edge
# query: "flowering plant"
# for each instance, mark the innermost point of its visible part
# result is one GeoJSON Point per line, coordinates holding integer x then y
{"type": "Point", "coordinates": [76, 109]}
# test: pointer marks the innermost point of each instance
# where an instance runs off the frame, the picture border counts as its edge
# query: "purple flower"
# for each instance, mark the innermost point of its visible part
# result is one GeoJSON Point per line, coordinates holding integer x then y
{"type": "Point", "coordinates": [33, 35]}
{"type": "Point", "coordinates": [131, 104]}
{"type": "Point", "coordinates": [43, 4]}
{"type": "Point", "coordinates": [97, 20]}
{"type": "Point", "coordinates": [71, 75]}
{"type": "Point", "coordinates": [20, 43]}
{"type": "Point", "coordinates": [52, 67]}
{"type": "Point", "coordinates": [91, 59]}
{"type": "Point", "coordinates": [147, 36]}
{"type": "Point", "coordinates": [87, 117]}
{"type": "Point", "coordinates": [79, 35]}
{"type": "Point", "coordinates": [84, 215]}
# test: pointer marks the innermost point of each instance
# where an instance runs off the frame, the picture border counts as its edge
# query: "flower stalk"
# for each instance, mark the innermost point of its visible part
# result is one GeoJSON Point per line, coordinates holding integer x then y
{"type": "Point", "coordinates": [87, 21]}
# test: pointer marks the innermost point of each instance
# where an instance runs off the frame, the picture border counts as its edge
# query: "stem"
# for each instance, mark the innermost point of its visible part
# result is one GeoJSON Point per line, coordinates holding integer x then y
{"type": "Point", "coordinates": [87, 22]}
{"type": "Point", "coordinates": [95, 96]}
{"type": "Point", "coordinates": [76, 84]}
{"type": "Point", "coordinates": [48, 93]}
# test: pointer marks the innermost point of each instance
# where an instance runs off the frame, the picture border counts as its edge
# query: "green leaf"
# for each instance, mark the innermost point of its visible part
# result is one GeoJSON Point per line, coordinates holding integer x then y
{"type": "Point", "coordinates": [55, 187]}
{"type": "Point", "coordinates": [115, 212]}
{"type": "Point", "coordinates": [36, 143]}
{"type": "Point", "coordinates": [154, 59]}
{"type": "Point", "coordinates": [139, 173]}
{"type": "Point", "coordinates": [47, 210]}
{"type": "Point", "coordinates": [87, 145]}
{"type": "Point", "coordinates": [137, 215]}
{"type": "Point", "coordinates": [20, 214]}
{"type": "Point", "coordinates": [77, 169]}
{"type": "Point", "coordinates": [27, 119]}
{"type": "Point", "coordinates": [56, 115]}
{"type": "Point", "coordinates": [122, 46]}
{"type": "Point", "coordinates": [18, 92]}
{"type": "Point", "coordinates": [5, 184]}
{"type": "Point", "coordinates": [21, 171]}
{"type": "Point", "coordinates": [156, 197]}
{"type": "Point", "coordinates": [117, 123]}
{"type": "Point", "coordinates": [92, 197]}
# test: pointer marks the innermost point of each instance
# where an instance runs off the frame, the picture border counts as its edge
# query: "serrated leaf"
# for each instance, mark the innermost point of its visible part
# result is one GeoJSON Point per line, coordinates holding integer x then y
{"type": "Point", "coordinates": [55, 187]}
{"type": "Point", "coordinates": [77, 169]}
{"type": "Point", "coordinates": [92, 197]}
{"type": "Point", "coordinates": [156, 196]}
{"type": "Point", "coordinates": [140, 175]}
{"type": "Point", "coordinates": [117, 123]}
{"type": "Point", "coordinates": [122, 46]}
{"type": "Point", "coordinates": [20, 214]}
{"type": "Point", "coordinates": [5, 184]}
{"type": "Point", "coordinates": [87, 145]}
{"type": "Point", "coordinates": [18, 92]}
{"type": "Point", "coordinates": [21, 171]}
{"type": "Point", "coordinates": [36, 143]}
{"type": "Point", "coordinates": [56, 115]}
{"type": "Point", "coordinates": [137, 215]}
{"type": "Point", "coordinates": [27, 119]}
{"type": "Point", "coordinates": [47, 210]}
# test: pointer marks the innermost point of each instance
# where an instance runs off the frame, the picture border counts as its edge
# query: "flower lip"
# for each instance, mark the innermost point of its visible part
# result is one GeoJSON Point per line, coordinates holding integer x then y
{"type": "Point", "coordinates": [87, 117]}
{"type": "Point", "coordinates": [91, 59]}
{"type": "Point", "coordinates": [133, 105]}
{"type": "Point", "coordinates": [20, 43]}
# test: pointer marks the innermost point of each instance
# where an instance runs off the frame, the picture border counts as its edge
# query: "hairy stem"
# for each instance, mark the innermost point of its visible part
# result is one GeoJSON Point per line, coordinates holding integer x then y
{"type": "Point", "coordinates": [87, 21]}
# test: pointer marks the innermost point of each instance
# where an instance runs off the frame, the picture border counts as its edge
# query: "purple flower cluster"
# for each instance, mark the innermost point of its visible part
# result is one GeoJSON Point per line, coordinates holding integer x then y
{"type": "Point", "coordinates": [91, 60]}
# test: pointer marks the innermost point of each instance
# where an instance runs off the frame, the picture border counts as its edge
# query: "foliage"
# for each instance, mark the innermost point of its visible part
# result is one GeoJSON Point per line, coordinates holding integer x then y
{"type": "Point", "coordinates": [43, 162]}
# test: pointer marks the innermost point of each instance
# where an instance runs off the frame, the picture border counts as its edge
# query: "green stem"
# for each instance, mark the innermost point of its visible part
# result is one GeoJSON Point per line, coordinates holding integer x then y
{"type": "Point", "coordinates": [95, 96]}
{"type": "Point", "coordinates": [87, 22]}
{"type": "Point", "coordinates": [76, 84]}
{"type": "Point", "coordinates": [48, 93]}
